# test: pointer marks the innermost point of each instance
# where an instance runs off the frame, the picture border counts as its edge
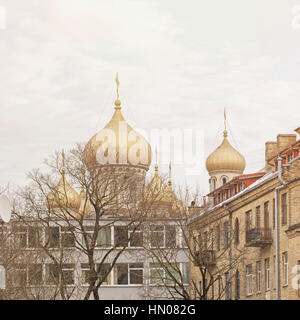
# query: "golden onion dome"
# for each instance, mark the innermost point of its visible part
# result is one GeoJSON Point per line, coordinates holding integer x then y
{"type": "Point", "coordinates": [63, 196]}
{"type": "Point", "coordinates": [225, 158]}
{"type": "Point", "coordinates": [117, 143]}
{"type": "Point", "coordinates": [157, 191]}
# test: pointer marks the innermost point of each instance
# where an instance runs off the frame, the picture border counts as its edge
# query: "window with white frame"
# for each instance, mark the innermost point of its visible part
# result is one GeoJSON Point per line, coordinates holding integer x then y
{"type": "Point", "coordinates": [285, 268]}
{"type": "Point", "coordinates": [103, 273]}
{"type": "Point", "coordinates": [267, 274]}
{"type": "Point", "coordinates": [103, 238]}
{"type": "Point", "coordinates": [258, 276]}
{"type": "Point", "coordinates": [136, 236]}
{"type": "Point", "coordinates": [169, 274]}
{"type": "Point", "coordinates": [163, 236]}
{"type": "Point", "coordinates": [249, 276]}
{"type": "Point", "coordinates": [24, 275]}
{"type": "Point", "coordinates": [128, 273]}
{"type": "Point", "coordinates": [53, 274]}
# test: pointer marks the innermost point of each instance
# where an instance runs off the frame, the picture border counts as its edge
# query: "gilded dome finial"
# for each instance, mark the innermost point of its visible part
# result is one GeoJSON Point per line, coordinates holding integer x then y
{"type": "Point", "coordinates": [156, 161]}
{"type": "Point", "coordinates": [117, 102]}
{"type": "Point", "coordinates": [170, 170]}
{"type": "Point", "coordinates": [225, 133]}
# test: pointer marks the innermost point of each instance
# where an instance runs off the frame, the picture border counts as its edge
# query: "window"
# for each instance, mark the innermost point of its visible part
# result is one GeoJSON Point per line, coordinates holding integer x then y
{"type": "Point", "coordinates": [121, 236]}
{"type": "Point", "coordinates": [248, 220]}
{"type": "Point", "coordinates": [283, 209]}
{"type": "Point", "coordinates": [237, 285]}
{"type": "Point", "coordinates": [136, 237]}
{"type": "Point", "coordinates": [290, 157]}
{"type": "Point", "coordinates": [103, 274]}
{"type": "Point", "coordinates": [266, 216]}
{"type": "Point", "coordinates": [20, 236]}
{"type": "Point", "coordinates": [168, 274]}
{"type": "Point", "coordinates": [258, 276]}
{"type": "Point", "coordinates": [156, 273]}
{"type": "Point", "coordinates": [52, 274]}
{"type": "Point", "coordinates": [53, 237]}
{"type": "Point", "coordinates": [131, 273]}
{"type": "Point", "coordinates": [236, 232]}
{"type": "Point", "coordinates": [185, 272]}
{"type": "Point", "coordinates": [163, 236]}
{"type": "Point", "coordinates": [218, 242]}
{"type": "Point", "coordinates": [224, 180]}
{"type": "Point", "coordinates": [258, 217]}
{"type": "Point", "coordinates": [157, 236]}
{"type": "Point", "coordinates": [35, 274]}
{"type": "Point", "coordinates": [67, 237]}
{"type": "Point", "coordinates": [227, 286]}
{"type": "Point", "coordinates": [211, 239]}
{"type": "Point", "coordinates": [219, 281]}
{"type": "Point", "coordinates": [194, 245]}
{"type": "Point", "coordinates": [170, 236]}
{"type": "Point", "coordinates": [249, 276]}
{"type": "Point", "coordinates": [34, 237]}
{"type": "Point", "coordinates": [226, 234]}
{"type": "Point", "coordinates": [67, 272]}
{"type": "Point", "coordinates": [224, 196]}
{"type": "Point", "coordinates": [285, 268]}
{"type": "Point", "coordinates": [19, 275]}
{"type": "Point", "coordinates": [267, 274]}
{"type": "Point", "coordinates": [104, 237]}
{"type": "Point", "coordinates": [213, 183]}
{"type": "Point", "coordinates": [205, 240]}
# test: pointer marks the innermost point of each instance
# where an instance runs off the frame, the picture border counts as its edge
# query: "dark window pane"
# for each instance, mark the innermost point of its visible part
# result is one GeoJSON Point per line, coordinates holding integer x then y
{"type": "Point", "coordinates": [35, 274]}
{"type": "Point", "coordinates": [136, 276]}
{"type": "Point", "coordinates": [53, 237]}
{"type": "Point", "coordinates": [121, 236]}
{"type": "Point", "coordinates": [122, 273]}
{"type": "Point", "coordinates": [170, 236]}
{"type": "Point", "coordinates": [52, 274]}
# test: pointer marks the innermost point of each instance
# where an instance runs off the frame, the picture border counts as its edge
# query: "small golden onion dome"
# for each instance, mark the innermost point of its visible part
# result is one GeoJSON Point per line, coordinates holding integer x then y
{"type": "Point", "coordinates": [63, 196]}
{"type": "Point", "coordinates": [117, 143]}
{"type": "Point", "coordinates": [225, 158]}
{"type": "Point", "coordinates": [157, 192]}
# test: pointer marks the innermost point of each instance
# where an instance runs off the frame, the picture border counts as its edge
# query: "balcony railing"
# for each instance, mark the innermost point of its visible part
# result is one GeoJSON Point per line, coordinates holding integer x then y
{"type": "Point", "coordinates": [205, 258]}
{"type": "Point", "coordinates": [258, 237]}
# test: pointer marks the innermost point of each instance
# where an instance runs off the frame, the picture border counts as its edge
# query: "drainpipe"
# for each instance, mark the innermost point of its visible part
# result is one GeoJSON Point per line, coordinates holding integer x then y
{"type": "Point", "coordinates": [283, 183]}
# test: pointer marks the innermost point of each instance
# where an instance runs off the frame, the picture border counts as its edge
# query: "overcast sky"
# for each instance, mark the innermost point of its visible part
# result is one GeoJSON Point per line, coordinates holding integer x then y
{"type": "Point", "coordinates": [179, 62]}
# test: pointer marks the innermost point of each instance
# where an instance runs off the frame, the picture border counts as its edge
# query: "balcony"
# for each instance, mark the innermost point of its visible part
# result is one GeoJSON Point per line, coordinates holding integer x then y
{"type": "Point", "coordinates": [258, 237]}
{"type": "Point", "coordinates": [205, 258]}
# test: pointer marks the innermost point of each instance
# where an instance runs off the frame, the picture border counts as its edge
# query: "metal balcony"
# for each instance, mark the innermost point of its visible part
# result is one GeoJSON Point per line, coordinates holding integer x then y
{"type": "Point", "coordinates": [258, 237]}
{"type": "Point", "coordinates": [205, 258]}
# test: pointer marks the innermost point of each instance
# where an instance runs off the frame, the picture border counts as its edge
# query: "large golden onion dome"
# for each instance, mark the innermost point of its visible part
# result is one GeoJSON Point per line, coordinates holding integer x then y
{"type": "Point", "coordinates": [225, 158]}
{"type": "Point", "coordinates": [117, 143]}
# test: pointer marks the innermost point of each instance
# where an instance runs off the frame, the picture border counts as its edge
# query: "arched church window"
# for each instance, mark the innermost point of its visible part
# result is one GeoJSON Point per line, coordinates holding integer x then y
{"type": "Point", "coordinates": [224, 180]}
{"type": "Point", "coordinates": [213, 183]}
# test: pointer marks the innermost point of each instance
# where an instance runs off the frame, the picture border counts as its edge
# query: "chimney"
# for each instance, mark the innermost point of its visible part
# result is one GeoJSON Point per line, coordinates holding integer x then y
{"type": "Point", "coordinates": [270, 151]}
{"type": "Point", "coordinates": [193, 209]}
{"type": "Point", "coordinates": [285, 140]}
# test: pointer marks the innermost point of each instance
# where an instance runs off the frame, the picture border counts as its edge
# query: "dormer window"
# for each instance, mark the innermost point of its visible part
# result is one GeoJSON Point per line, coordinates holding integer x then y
{"type": "Point", "coordinates": [290, 157]}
